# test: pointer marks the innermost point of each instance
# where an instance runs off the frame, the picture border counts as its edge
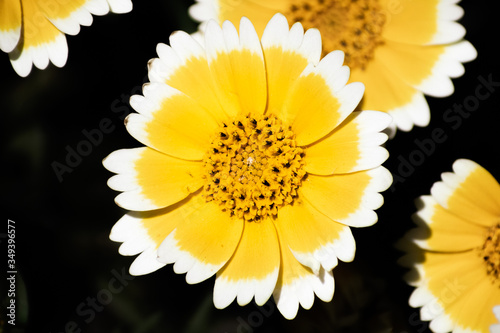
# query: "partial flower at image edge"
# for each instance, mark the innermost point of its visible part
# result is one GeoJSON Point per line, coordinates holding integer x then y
{"type": "Point", "coordinates": [454, 253]}
{"type": "Point", "coordinates": [401, 53]}
{"type": "Point", "coordinates": [33, 32]}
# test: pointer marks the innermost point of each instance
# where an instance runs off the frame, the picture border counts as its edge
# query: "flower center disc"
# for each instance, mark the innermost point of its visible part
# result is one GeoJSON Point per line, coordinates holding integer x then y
{"type": "Point", "coordinates": [253, 167]}
{"type": "Point", "coordinates": [490, 252]}
{"type": "Point", "coordinates": [353, 26]}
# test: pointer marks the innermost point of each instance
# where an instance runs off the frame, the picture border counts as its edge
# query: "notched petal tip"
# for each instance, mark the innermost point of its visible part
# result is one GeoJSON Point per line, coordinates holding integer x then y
{"type": "Point", "coordinates": [120, 6]}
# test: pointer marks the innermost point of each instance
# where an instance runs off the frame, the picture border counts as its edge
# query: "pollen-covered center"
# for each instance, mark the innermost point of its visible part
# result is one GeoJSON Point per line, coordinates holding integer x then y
{"type": "Point", "coordinates": [253, 167]}
{"type": "Point", "coordinates": [353, 26]}
{"type": "Point", "coordinates": [490, 252]}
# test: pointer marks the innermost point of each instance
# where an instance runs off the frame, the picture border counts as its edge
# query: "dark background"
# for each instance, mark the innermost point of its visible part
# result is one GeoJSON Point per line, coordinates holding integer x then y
{"type": "Point", "coordinates": [64, 257]}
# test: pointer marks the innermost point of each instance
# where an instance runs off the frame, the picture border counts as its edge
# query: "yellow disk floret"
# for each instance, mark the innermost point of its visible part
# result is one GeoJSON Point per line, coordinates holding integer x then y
{"type": "Point", "coordinates": [353, 26]}
{"type": "Point", "coordinates": [490, 252]}
{"type": "Point", "coordinates": [253, 167]}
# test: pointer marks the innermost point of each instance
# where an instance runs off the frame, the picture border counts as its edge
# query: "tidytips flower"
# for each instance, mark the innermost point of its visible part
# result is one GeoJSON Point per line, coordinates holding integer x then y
{"type": "Point", "coordinates": [255, 165]}
{"type": "Point", "coordinates": [33, 31]}
{"type": "Point", "coordinates": [399, 50]}
{"type": "Point", "coordinates": [456, 260]}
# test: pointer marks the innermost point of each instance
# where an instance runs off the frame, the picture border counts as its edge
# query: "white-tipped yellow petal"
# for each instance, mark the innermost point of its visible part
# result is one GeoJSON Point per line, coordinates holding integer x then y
{"type": "Point", "coordinates": [471, 192]}
{"type": "Point", "coordinates": [171, 122]}
{"type": "Point", "coordinates": [253, 269]}
{"type": "Point", "coordinates": [320, 91]}
{"type": "Point", "coordinates": [55, 51]}
{"type": "Point", "coordinates": [237, 66]}
{"type": "Point", "coordinates": [185, 47]}
{"type": "Point", "coordinates": [313, 238]}
{"type": "Point", "coordinates": [43, 25]}
{"type": "Point", "coordinates": [301, 291]}
{"type": "Point", "coordinates": [427, 68]}
{"type": "Point", "coordinates": [133, 233]}
{"type": "Point", "coordinates": [203, 10]}
{"type": "Point", "coordinates": [120, 6]}
{"type": "Point", "coordinates": [415, 112]}
{"type": "Point", "coordinates": [448, 31]}
{"type": "Point", "coordinates": [424, 22]}
{"type": "Point", "coordinates": [97, 7]}
{"type": "Point", "coordinates": [420, 296]}
{"type": "Point", "coordinates": [184, 66]}
{"type": "Point", "coordinates": [297, 284]}
{"type": "Point", "coordinates": [203, 243]}
{"type": "Point", "coordinates": [68, 18]}
{"type": "Point", "coordinates": [455, 265]}
{"type": "Point", "coordinates": [450, 232]}
{"type": "Point", "coordinates": [287, 54]}
{"type": "Point", "coordinates": [10, 24]}
{"type": "Point", "coordinates": [355, 195]}
{"type": "Point", "coordinates": [441, 323]}
{"type": "Point", "coordinates": [151, 180]}
{"type": "Point", "coordinates": [353, 146]}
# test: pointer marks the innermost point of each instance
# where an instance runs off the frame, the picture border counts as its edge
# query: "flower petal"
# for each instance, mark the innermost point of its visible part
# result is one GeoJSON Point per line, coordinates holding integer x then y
{"type": "Point", "coordinates": [44, 23]}
{"type": "Point", "coordinates": [450, 65]}
{"type": "Point", "coordinates": [278, 35]}
{"type": "Point", "coordinates": [42, 42]}
{"type": "Point", "coordinates": [237, 65]}
{"type": "Point", "coordinates": [387, 93]}
{"type": "Point", "coordinates": [427, 68]}
{"type": "Point", "coordinates": [184, 66]}
{"type": "Point", "coordinates": [351, 147]}
{"type": "Point", "coordinates": [348, 198]}
{"type": "Point", "coordinates": [446, 286]}
{"type": "Point", "coordinates": [68, 16]}
{"type": "Point", "coordinates": [120, 6]}
{"type": "Point", "coordinates": [253, 269]}
{"type": "Point", "coordinates": [297, 284]}
{"type": "Point", "coordinates": [203, 10]}
{"type": "Point", "coordinates": [97, 7]}
{"type": "Point", "coordinates": [442, 323]}
{"type": "Point", "coordinates": [171, 122]}
{"type": "Point", "coordinates": [55, 50]}
{"type": "Point", "coordinates": [203, 242]}
{"type": "Point", "coordinates": [260, 13]}
{"type": "Point", "coordinates": [319, 100]}
{"type": "Point", "coordinates": [477, 317]}
{"type": "Point", "coordinates": [143, 232]}
{"type": "Point", "coordinates": [220, 67]}
{"type": "Point", "coordinates": [441, 230]}
{"type": "Point", "coordinates": [132, 230]}
{"type": "Point", "coordinates": [457, 291]}
{"type": "Point", "coordinates": [287, 53]}
{"type": "Point", "coordinates": [10, 24]}
{"type": "Point", "coordinates": [415, 112]}
{"type": "Point", "coordinates": [313, 238]}
{"type": "Point", "coordinates": [150, 179]}
{"type": "Point", "coordinates": [432, 22]}
{"type": "Point", "coordinates": [470, 192]}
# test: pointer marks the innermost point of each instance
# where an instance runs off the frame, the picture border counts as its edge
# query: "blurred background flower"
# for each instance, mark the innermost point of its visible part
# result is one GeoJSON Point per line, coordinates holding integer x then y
{"type": "Point", "coordinates": [32, 31]}
{"type": "Point", "coordinates": [399, 49]}
{"type": "Point", "coordinates": [58, 125]}
{"type": "Point", "coordinates": [455, 265]}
